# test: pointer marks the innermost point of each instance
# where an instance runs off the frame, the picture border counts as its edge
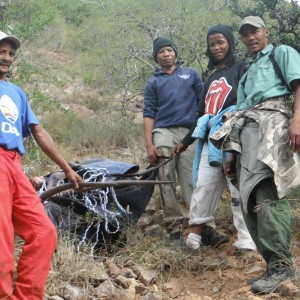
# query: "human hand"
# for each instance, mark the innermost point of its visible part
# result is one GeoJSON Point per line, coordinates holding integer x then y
{"type": "Point", "coordinates": [229, 165]}
{"type": "Point", "coordinates": [152, 154]}
{"type": "Point", "coordinates": [74, 178]}
{"type": "Point", "coordinates": [178, 149]}
{"type": "Point", "coordinates": [294, 135]}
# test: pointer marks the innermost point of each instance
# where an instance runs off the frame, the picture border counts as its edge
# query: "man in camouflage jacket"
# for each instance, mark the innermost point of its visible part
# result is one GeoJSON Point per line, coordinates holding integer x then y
{"type": "Point", "coordinates": [268, 166]}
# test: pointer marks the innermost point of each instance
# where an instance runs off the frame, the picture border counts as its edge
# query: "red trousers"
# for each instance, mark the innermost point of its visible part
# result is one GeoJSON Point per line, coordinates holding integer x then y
{"type": "Point", "coordinates": [22, 212]}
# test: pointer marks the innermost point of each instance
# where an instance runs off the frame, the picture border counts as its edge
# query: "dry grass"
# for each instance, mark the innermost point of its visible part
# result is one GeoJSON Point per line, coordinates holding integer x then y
{"type": "Point", "coordinates": [68, 263]}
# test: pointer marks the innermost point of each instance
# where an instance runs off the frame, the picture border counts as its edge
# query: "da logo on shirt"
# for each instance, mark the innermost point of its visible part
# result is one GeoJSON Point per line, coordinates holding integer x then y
{"type": "Point", "coordinates": [216, 95]}
{"type": "Point", "coordinates": [9, 109]}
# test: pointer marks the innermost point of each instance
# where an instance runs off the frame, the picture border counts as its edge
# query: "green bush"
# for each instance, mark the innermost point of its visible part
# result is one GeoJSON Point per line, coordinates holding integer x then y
{"type": "Point", "coordinates": [93, 136]}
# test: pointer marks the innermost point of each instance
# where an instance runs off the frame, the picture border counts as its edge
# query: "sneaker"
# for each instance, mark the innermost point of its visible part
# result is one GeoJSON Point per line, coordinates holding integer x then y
{"type": "Point", "coordinates": [210, 237]}
{"type": "Point", "coordinates": [272, 279]}
{"type": "Point", "coordinates": [176, 234]}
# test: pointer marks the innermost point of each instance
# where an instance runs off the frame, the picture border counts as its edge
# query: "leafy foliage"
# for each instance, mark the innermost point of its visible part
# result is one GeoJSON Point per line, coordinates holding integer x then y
{"type": "Point", "coordinates": [72, 47]}
{"type": "Point", "coordinates": [26, 19]}
{"type": "Point", "coordinates": [282, 18]}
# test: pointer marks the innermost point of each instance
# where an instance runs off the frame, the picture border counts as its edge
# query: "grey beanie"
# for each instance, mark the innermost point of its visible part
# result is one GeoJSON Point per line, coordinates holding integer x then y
{"type": "Point", "coordinates": [161, 42]}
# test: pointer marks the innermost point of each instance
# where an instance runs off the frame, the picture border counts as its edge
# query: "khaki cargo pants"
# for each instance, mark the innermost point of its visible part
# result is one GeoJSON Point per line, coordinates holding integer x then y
{"type": "Point", "coordinates": [164, 140]}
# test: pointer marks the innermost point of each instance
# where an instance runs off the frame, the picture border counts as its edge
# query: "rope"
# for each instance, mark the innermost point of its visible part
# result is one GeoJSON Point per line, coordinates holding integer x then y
{"type": "Point", "coordinates": [94, 195]}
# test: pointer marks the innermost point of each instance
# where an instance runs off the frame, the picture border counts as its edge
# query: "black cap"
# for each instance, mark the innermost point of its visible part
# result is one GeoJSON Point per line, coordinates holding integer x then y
{"type": "Point", "coordinates": [161, 42]}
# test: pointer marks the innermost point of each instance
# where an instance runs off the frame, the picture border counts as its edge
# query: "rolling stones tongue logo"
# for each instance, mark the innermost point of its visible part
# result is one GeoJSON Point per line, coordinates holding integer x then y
{"type": "Point", "coordinates": [216, 95]}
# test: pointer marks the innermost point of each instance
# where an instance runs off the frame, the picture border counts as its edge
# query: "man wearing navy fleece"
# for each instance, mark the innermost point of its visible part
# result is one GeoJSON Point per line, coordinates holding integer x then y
{"type": "Point", "coordinates": [170, 104]}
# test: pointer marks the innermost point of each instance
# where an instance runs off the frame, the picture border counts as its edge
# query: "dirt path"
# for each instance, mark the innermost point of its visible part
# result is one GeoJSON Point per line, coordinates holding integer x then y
{"type": "Point", "coordinates": [225, 273]}
{"type": "Point", "coordinates": [224, 277]}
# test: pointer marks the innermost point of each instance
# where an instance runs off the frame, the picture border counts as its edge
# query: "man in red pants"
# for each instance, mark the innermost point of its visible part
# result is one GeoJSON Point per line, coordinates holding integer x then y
{"type": "Point", "coordinates": [21, 210]}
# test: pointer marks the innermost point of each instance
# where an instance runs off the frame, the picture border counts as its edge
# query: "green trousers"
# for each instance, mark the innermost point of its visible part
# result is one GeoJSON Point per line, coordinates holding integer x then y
{"type": "Point", "coordinates": [267, 217]}
{"type": "Point", "coordinates": [269, 222]}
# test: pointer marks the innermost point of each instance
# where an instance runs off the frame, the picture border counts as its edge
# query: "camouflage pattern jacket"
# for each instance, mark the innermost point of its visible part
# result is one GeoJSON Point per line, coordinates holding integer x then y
{"type": "Point", "coordinates": [273, 119]}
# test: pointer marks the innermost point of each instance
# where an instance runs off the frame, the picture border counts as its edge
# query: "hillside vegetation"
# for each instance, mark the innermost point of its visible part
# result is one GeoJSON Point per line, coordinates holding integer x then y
{"type": "Point", "coordinates": [84, 63]}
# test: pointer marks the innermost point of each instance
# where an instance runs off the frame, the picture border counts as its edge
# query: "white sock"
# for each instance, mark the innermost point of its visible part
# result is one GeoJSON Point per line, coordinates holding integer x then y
{"type": "Point", "coordinates": [193, 240]}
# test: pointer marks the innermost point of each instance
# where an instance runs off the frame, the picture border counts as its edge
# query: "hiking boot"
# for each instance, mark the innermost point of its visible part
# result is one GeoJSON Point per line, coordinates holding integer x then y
{"type": "Point", "coordinates": [256, 278]}
{"type": "Point", "coordinates": [210, 237]}
{"type": "Point", "coordinates": [273, 278]}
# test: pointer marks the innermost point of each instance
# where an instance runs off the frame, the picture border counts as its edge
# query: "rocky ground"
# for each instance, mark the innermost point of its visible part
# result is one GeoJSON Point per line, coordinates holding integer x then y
{"type": "Point", "coordinates": [224, 277]}
{"type": "Point", "coordinates": [219, 273]}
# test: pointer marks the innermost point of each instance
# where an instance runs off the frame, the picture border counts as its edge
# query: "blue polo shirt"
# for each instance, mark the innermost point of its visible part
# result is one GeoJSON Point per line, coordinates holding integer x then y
{"type": "Point", "coordinates": [16, 117]}
{"type": "Point", "coordinates": [261, 81]}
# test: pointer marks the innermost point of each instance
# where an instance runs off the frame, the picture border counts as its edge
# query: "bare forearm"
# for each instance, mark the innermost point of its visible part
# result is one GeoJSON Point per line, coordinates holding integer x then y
{"type": "Point", "coordinates": [148, 127]}
{"type": "Point", "coordinates": [151, 149]}
{"type": "Point", "coordinates": [296, 116]}
{"type": "Point", "coordinates": [49, 147]}
{"type": "Point", "coordinates": [294, 129]}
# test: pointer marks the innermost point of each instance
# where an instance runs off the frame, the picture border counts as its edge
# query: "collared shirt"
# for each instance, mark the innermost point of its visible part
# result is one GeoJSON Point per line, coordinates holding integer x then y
{"type": "Point", "coordinates": [261, 81]}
